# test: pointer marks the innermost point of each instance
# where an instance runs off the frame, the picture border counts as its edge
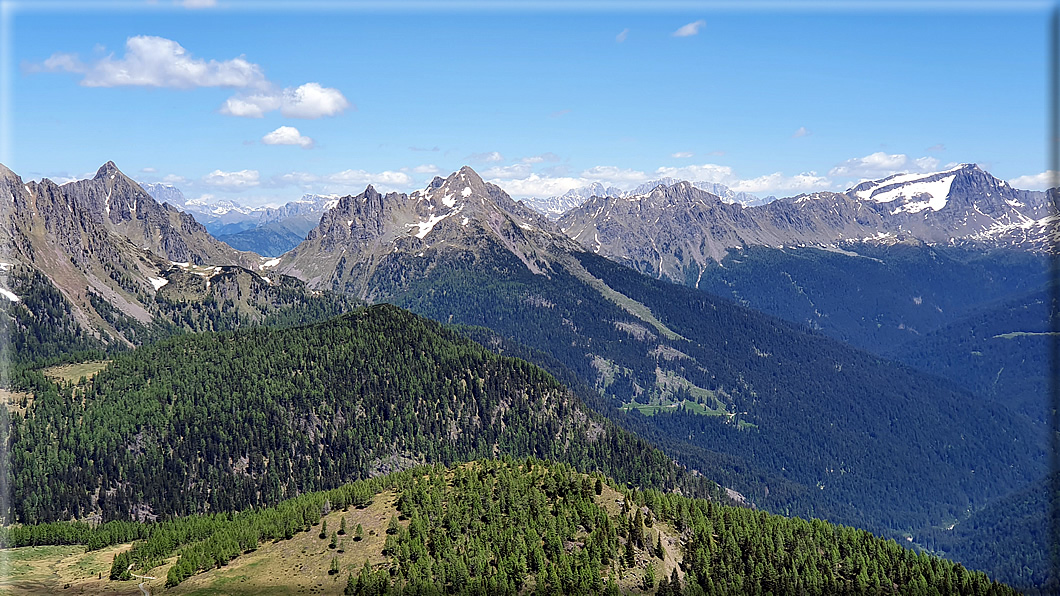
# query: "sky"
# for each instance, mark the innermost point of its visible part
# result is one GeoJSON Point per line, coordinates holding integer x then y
{"type": "Point", "coordinates": [260, 102]}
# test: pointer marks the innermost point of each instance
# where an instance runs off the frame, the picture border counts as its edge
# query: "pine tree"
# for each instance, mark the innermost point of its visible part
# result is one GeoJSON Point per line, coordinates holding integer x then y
{"type": "Point", "coordinates": [342, 526]}
{"type": "Point", "coordinates": [334, 540]}
{"type": "Point", "coordinates": [659, 550]}
{"type": "Point", "coordinates": [649, 577]}
{"type": "Point", "coordinates": [334, 568]}
{"type": "Point", "coordinates": [599, 486]}
{"type": "Point", "coordinates": [323, 529]}
{"type": "Point", "coordinates": [358, 534]}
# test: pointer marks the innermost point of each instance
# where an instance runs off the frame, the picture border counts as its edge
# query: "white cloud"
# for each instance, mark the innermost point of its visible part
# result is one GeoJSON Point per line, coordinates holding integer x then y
{"type": "Point", "coordinates": [621, 37]}
{"type": "Point", "coordinates": [174, 179]}
{"type": "Point", "coordinates": [936, 148]}
{"type": "Point", "coordinates": [197, 3]}
{"type": "Point", "coordinates": [535, 185]}
{"type": "Point", "coordinates": [805, 182]}
{"type": "Point", "coordinates": [491, 157]}
{"type": "Point", "coordinates": [426, 169]}
{"type": "Point", "coordinates": [360, 177]}
{"type": "Point", "coordinates": [519, 170]}
{"type": "Point", "coordinates": [1043, 181]}
{"type": "Point", "coordinates": [313, 101]}
{"type": "Point", "coordinates": [707, 172]}
{"type": "Point", "coordinates": [926, 164]}
{"type": "Point", "coordinates": [148, 170]}
{"type": "Point", "coordinates": [519, 181]}
{"type": "Point", "coordinates": [880, 164]}
{"type": "Point", "coordinates": [690, 29]}
{"type": "Point", "coordinates": [613, 175]}
{"type": "Point", "coordinates": [307, 101]}
{"type": "Point", "coordinates": [287, 135]}
{"type": "Point", "coordinates": [151, 61]}
{"type": "Point", "coordinates": [681, 155]}
{"type": "Point", "coordinates": [802, 132]}
{"type": "Point", "coordinates": [775, 182]}
{"type": "Point", "coordinates": [345, 181]}
{"type": "Point", "coordinates": [232, 181]}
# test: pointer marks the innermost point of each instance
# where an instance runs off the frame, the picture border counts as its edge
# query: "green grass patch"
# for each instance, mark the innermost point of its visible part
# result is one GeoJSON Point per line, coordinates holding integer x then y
{"type": "Point", "coordinates": [73, 372]}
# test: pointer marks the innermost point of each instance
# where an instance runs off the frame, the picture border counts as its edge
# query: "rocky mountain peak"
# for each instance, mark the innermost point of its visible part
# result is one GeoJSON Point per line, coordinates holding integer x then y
{"type": "Point", "coordinates": [107, 169]}
{"type": "Point", "coordinates": [6, 174]}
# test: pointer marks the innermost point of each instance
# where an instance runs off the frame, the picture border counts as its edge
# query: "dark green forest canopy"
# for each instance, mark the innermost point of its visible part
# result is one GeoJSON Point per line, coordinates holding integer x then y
{"type": "Point", "coordinates": [246, 418]}
{"type": "Point", "coordinates": [817, 428]}
{"type": "Point", "coordinates": [511, 525]}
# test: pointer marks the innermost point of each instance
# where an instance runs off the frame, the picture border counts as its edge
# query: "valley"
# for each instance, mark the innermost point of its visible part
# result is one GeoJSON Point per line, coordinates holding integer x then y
{"type": "Point", "coordinates": [249, 381]}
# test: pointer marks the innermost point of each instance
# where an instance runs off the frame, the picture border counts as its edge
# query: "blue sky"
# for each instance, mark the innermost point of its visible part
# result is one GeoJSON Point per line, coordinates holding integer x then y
{"type": "Point", "coordinates": [259, 103]}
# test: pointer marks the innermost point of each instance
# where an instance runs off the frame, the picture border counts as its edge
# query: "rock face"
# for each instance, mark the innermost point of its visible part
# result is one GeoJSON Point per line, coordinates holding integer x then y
{"type": "Point", "coordinates": [458, 214]}
{"type": "Point", "coordinates": [122, 207]}
{"type": "Point", "coordinates": [675, 231]}
{"type": "Point", "coordinates": [103, 239]}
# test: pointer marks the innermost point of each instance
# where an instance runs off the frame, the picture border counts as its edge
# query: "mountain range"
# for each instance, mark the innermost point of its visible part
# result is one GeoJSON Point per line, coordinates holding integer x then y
{"type": "Point", "coordinates": [784, 417]}
{"type": "Point", "coordinates": [677, 231]}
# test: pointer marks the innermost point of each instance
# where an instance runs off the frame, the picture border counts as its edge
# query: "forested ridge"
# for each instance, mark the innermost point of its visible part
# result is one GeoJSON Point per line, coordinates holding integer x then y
{"type": "Point", "coordinates": [518, 525]}
{"type": "Point", "coordinates": [248, 418]}
{"type": "Point", "coordinates": [812, 427]}
{"type": "Point", "coordinates": [873, 296]}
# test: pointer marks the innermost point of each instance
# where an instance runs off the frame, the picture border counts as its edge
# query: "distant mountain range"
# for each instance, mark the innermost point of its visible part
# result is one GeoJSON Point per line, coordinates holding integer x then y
{"type": "Point", "coordinates": [677, 231]}
{"type": "Point", "coordinates": [555, 206]}
{"type": "Point", "coordinates": [267, 231]}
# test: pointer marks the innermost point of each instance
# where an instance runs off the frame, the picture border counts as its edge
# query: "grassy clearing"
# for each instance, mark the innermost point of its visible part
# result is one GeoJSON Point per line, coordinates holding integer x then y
{"type": "Point", "coordinates": [73, 372]}
{"type": "Point", "coordinates": [55, 569]}
{"type": "Point", "coordinates": [300, 565]}
{"type": "Point", "coordinates": [12, 400]}
{"type": "Point", "coordinates": [652, 409]}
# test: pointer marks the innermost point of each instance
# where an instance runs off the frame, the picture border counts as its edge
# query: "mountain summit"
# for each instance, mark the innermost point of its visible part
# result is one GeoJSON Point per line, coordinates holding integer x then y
{"type": "Point", "coordinates": [459, 214]}
{"type": "Point", "coordinates": [675, 231]}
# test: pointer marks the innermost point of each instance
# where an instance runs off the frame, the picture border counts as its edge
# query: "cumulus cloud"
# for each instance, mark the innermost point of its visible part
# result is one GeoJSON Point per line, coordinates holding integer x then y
{"type": "Point", "coordinates": [232, 181]}
{"type": "Point", "coordinates": [707, 172]}
{"type": "Point", "coordinates": [681, 155]}
{"type": "Point", "coordinates": [690, 29]}
{"type": "Point", "coordinates": [308, 101]}
{"type": "Point", "coordinates": [775, 182]}
{"type": "Point", "coordinates": [880, 164]}
{"type": "Point", "coordinates": [805, 182]}
{"type": "Point", "coordinates": [151, 61]}
{"type": "Point", "coordinates": [429, 168]}
{"type": "Point", "coordinates": [1043, 181]}
{"type": "Point", "coordinates": [614, 175]}
{"type": "Point", "coordinates": [535, 185]}
{"type": "Point", "coordinates": [621, 37]}
{"type": "Point", "coordinates": [491, 157]}
{"type": "Point", "coordinates": [287, 135]}
{"type": "Point", "coordinates": [802, 132]}
{"type": "Point", "coordinates": [519, 170]}
{"type": "Point", "coordinates": [519, 181]}
{"type": "Point", "coordinates": [148, 170]}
